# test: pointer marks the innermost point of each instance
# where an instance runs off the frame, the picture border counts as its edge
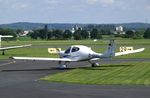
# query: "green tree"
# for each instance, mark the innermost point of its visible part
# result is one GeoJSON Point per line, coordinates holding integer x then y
{"type": "Point", "coordinates": [84, 34]}
{"type": "Point", "coordinates": [34, 35]}
{"type": "Point", "coordinates": [57, 34]}
{"type": "Point", "coordinates": [147, 34]}
{"type": "Point", "coordinates": [42, 34]}
{"type": "Point", "coordinates": [50, 34]}
{"type": "Point", "coordinates": [130, 34]}
{"type": "Point", "coordinates": [67, 34]}
{"type": "Point", "coordinates": [77, 35]}
{"type": "Point", "coordinates": [95, 34]}
{"type": "Point", "coordinates": [138, 35]}
{"type": "Point", "coordinates": [99, 36]}
{"type": "Point", "coordinates": [18, 31]}
{"type": "Point", "coordinates": [133, 34]}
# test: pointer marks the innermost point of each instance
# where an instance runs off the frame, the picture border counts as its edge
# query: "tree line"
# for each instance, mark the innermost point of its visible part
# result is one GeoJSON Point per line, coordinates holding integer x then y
{"type": "Point", "coordinates": [46, 34]}
{"type": "Point", "coordinates": [80, 34]}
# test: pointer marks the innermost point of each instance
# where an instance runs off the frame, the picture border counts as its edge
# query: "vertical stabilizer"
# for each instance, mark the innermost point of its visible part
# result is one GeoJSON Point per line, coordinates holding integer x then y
{"type": "Point", "coordinates": [110, 52]}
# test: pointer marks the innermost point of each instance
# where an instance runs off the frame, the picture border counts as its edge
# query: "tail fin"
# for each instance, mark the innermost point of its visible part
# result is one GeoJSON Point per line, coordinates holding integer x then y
{"type": "Point", "coordinates": [110, 52]}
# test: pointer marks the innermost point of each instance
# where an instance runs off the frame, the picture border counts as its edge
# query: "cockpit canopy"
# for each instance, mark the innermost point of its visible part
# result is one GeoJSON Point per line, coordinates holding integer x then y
{"type": "Point", "coordinates": [72, 49]}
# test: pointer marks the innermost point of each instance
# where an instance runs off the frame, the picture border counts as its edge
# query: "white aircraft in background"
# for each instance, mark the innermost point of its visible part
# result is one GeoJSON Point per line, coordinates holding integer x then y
{"type": "Point", "coordinates": [11, 47]}
{"type": "Point", "coordinates": [78, 53]}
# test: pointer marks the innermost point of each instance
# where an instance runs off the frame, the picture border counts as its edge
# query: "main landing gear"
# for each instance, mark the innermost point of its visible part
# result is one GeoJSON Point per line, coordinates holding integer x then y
{"type": "Point", "coordinates": [62, 66]}
{"type": "Point", "coordinates": [94, 64]}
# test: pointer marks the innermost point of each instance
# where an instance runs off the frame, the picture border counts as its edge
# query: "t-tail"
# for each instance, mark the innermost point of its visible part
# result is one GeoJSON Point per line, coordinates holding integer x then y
{"type": "Point", "coordinates": [110, 52]}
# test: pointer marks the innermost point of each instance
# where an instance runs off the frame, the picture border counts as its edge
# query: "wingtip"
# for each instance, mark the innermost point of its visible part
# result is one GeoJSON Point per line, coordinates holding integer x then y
{"type": "Point", "coordinates": [29, 45]}
{"type": "Point", "coordinates": [142, 49]}
{"type": "Point", "coordinates": [11, 57]}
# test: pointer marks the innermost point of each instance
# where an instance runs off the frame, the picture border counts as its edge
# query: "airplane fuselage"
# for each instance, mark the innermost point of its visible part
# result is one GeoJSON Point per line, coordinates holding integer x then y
{"type": "Point", "coordinates": [78, 53]}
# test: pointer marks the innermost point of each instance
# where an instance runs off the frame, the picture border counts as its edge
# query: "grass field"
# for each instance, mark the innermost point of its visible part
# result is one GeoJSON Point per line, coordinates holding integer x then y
{"type": "Point", "coordinates": [99, 46]}
{"type": "Point", "coordinates": [121, 74]}
{"type": "Point", "coordinates": [83, 42]}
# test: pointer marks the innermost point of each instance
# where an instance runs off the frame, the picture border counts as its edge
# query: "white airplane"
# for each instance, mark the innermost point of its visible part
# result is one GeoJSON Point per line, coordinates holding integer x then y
{"type": "Point", "coordinates": [78, 53]}
{"type": "Point", "coordinates": [11, 47]}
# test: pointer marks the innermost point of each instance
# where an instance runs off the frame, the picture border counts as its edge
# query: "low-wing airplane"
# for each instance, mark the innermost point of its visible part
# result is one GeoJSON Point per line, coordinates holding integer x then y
{"type": "Point", "coordinates": [78, 53]}
{"type": "Point", "coordinates": [11, 47]}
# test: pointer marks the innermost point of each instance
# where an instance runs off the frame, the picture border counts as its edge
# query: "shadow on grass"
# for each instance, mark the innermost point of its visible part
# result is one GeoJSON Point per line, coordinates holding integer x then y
{"type": "Point", "coordinates": [104, 67]}
{"type": "Point", "coordinates": [117, 66]}
{"type": "Point", "coordinates": [92, 68]}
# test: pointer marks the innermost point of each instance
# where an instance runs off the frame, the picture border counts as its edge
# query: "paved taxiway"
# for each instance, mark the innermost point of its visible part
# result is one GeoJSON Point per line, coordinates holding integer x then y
{"type": "Point", "coordinates": [20, 79]}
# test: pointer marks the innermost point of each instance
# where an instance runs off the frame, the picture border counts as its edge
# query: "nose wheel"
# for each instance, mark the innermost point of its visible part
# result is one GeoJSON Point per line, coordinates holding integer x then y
{"type": "Point", "coordinates": [3, 52]}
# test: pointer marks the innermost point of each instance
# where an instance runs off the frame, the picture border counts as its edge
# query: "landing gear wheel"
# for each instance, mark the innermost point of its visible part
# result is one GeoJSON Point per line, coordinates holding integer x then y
{"type": "Point", "coordinates": [95, 64]}
{"type": "Point", "coordinates": [62, 66]}
{"type": "Point", "coordinates": [3, 53]}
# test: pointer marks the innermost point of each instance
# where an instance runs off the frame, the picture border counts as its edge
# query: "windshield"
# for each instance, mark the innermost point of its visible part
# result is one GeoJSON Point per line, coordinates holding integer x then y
{"type": "Point", "coordinates": [75, 49]}
{"type": "Point", "coordinates": [68, 50]}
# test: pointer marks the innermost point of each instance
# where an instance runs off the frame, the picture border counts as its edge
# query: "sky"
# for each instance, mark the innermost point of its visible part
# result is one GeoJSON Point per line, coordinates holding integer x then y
{"type": "Point", "coordinates": [74, 11]}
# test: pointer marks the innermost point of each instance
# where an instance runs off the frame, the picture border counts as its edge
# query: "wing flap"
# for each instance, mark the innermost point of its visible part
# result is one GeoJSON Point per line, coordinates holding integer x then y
{"type": "Point", "coordinates": [42, 59]}
{"type": "Point", "coordinates": [129, 52]}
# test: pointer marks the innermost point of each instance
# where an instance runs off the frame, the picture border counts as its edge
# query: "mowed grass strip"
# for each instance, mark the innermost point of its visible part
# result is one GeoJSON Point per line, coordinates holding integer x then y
{"type": "Point", "coordinates": [120, 74]}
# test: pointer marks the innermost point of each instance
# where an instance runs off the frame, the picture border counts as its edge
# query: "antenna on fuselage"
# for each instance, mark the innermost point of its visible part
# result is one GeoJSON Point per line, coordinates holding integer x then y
{"type": "Point", "coordinates": [1, 36]}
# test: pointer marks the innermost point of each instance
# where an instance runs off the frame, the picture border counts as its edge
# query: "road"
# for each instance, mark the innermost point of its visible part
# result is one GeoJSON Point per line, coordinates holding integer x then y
{"type": "Point", "coordinates": [20, 79]}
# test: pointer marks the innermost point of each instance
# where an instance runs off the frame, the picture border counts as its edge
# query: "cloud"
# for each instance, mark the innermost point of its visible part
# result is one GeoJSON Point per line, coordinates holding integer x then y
{"type": "Point", "coordinates": [19, 5]}
{"type": "Point", "coordinates": [13, 4]}
{"type": "Point", "coordinates": [147, 7]}
{"type": "Point", "coordinates": [92, 1]}
{"type": "Point", "coordinates": [102, 2]}
{"type": "Point", "coordinates": [51, 2]}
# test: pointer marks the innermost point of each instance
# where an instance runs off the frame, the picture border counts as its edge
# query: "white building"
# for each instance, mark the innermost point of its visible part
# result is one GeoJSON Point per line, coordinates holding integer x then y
{"type": "Point", "coordinates": [24, 33]}
{"type": "Point", "coordinates": [75, 28]}
{"type": "Point", "coordinates": [119, 30]}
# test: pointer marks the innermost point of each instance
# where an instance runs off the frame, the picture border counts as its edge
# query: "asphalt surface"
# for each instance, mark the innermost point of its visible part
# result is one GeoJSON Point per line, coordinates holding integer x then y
{"type": "Point", "coordinates": [20, 79]}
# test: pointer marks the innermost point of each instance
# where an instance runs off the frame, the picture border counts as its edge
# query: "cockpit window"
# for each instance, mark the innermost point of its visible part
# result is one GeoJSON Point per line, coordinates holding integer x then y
{"type": "Point", "coordinates": [68, 50]}
{"type": "Point", "coordinates": [74, 49]}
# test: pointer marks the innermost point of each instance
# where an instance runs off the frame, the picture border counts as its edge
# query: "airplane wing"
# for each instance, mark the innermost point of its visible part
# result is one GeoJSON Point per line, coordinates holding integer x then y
{"type": "Point", "coordinates": [129, 52]}
{"type": "Point", "coordinates": [14, 47]}
{"type": "Point", "coordinates": [42, 59]}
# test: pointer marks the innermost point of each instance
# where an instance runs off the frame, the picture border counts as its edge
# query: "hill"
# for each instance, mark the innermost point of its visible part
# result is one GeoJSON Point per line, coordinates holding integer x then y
{"type": "Point", "coordinates": [31, 26]}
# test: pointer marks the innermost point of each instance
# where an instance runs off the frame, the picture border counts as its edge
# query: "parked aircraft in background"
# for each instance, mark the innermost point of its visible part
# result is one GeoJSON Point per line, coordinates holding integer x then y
{"type": "Point", "coordinates": [11, 47]}
{"type": "Point", "coordinates": [77, 53]}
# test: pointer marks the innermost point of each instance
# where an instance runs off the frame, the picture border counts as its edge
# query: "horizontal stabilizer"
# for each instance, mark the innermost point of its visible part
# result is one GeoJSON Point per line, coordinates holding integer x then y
{"type": "Point", "coordinates": [129, 52]}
